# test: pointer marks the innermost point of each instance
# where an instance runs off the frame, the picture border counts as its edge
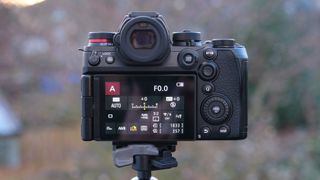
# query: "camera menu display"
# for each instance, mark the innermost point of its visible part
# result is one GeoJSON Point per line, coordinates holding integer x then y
{"type": "Point", "coordinates": [160, 106]}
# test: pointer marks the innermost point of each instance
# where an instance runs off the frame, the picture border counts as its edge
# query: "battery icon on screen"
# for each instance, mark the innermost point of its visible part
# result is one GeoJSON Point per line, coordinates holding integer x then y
{"type": "Point", "coordinates": [169, 98]}
{"type": "Point", "coordinates": [180, 84]}
{"type": "Point", "coordinates": [116, 99]}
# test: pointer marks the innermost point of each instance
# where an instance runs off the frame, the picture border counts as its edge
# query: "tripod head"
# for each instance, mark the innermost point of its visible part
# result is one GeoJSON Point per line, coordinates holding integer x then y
{"type": "Point", "coordinates": [144, 158]}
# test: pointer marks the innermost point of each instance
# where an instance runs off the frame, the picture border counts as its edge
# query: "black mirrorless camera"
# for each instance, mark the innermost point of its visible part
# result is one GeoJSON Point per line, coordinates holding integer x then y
{"type": "Point", "coordinates": [139, 85]}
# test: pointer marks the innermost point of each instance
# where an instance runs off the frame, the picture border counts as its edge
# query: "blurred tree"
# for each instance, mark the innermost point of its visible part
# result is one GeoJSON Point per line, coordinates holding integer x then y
{"type": "Point", "coordinates": [276, 67]}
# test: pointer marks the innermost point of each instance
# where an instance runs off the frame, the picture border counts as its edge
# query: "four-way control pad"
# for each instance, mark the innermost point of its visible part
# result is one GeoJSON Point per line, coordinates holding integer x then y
{"type": "Point", "coordinates": [216, 109]}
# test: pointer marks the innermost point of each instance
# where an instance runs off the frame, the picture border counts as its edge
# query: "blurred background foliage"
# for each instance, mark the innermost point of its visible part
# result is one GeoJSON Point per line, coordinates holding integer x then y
{"type": "Point", "coordinates": [40, 68]}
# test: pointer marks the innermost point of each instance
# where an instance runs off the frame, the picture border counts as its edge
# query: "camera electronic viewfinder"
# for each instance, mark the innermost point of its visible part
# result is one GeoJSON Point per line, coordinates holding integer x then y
{"type": "Point", "coordinates": [141, 85]}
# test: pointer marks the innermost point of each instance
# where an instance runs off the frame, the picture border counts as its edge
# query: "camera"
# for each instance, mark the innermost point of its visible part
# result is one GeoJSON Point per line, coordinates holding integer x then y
{"type": "Point", "coordinates": [141, 85]}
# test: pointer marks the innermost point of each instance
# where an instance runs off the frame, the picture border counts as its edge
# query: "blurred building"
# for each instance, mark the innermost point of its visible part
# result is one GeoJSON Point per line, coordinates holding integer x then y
{"type": "Point", "coordinates": [10, 129]}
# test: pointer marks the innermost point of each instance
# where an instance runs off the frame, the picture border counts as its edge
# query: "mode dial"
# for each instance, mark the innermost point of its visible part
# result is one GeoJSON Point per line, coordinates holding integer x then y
{"type": "Point", "coordinates": [186, 38]}
{"type": "Point", "coordinates": [223, 43]}
{"type": "Point", "coordinates": [100, 38]}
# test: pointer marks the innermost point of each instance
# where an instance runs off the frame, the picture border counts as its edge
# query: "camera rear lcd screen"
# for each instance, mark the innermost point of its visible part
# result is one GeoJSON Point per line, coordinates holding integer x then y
{"type": "Point", "coordinates": [148, 107]}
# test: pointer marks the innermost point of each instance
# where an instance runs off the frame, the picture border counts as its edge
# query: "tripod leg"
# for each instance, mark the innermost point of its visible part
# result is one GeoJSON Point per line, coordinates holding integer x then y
{"type": "Point", "coordinates": [142, 164]}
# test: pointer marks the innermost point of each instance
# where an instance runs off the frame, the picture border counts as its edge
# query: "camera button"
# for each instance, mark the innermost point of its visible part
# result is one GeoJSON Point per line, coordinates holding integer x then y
{"type": "Point", "coordinates": [94, 60]}
{"type": "Point", "coordinates": [207, 88]}
{"type": "Point", "coordinates": [109, 59]}
{"type": "Point", "coordinates": [224, 130]}
{"type": "Point", "coordinates": [205, 131]}
{"type": "Point", "coordinates": [208, 71]}
{"type": "Point", "coordinates": [216, 109]}
{"type": "Point", "coordinates": [209, 53]}
{"type": "Point", "coordinates": [188, 59]}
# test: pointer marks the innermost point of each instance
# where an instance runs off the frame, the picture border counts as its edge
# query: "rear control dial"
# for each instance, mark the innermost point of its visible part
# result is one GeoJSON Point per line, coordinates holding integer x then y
{"type": "Point", "coordinates": [216, 109]}
{"type": "Point", "coordinates": [208, 71]}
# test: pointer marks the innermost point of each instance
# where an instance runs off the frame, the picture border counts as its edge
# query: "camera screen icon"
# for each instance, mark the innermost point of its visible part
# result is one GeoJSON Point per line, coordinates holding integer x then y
{"type": "Point", "coordinates": [180, 84]}
{"type": "Point", "coordinates": [143, 128]}
{"type": "Point", "coordinates": [112, 88]}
